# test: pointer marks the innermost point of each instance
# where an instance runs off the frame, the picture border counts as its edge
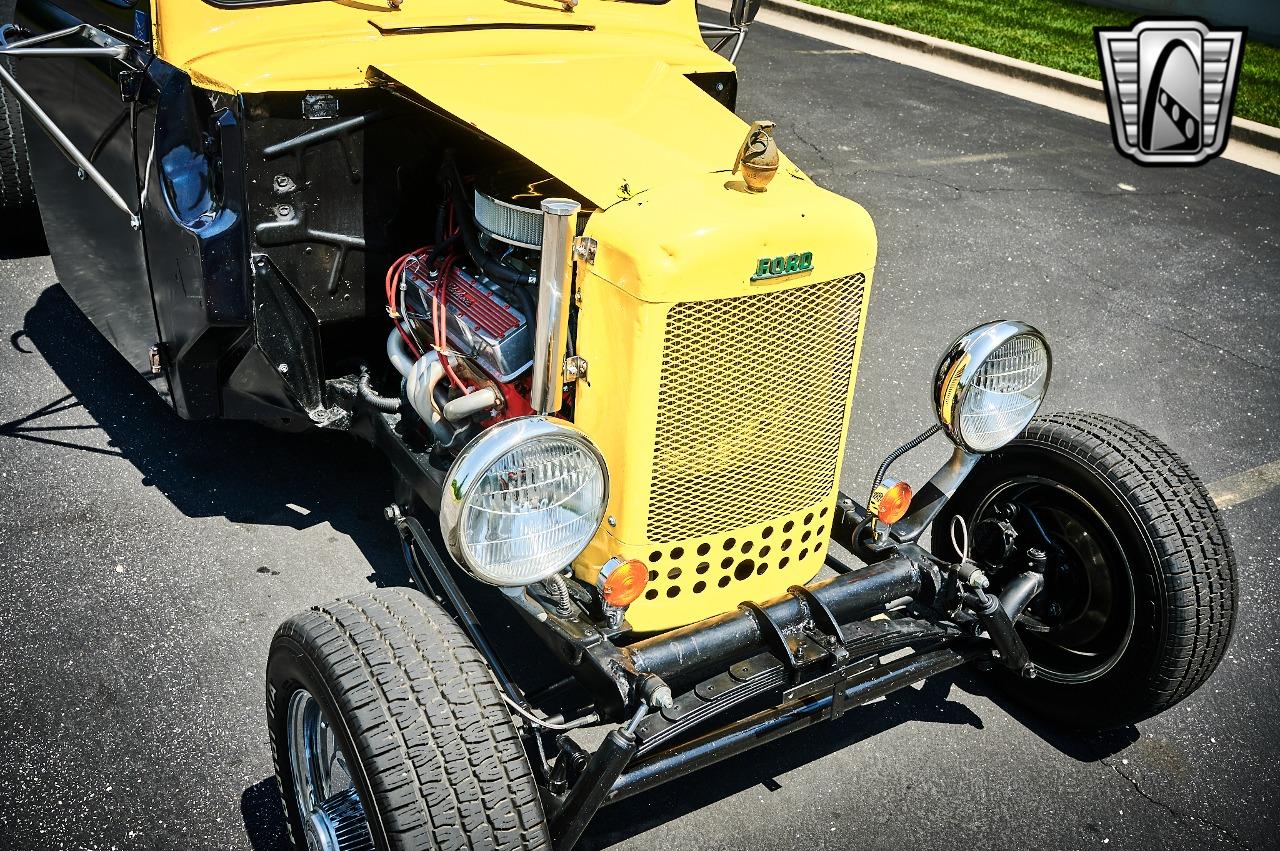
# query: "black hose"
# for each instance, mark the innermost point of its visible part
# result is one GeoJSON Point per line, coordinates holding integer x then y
{"type": "Point", "coordinates": [366, 394]}
{"type": "Point", "coordinates": [441, 210]}
{"type": "Point", "coordinates": [527, 305]}
{"type": "Point", "coordinates": [442, 245]}
{"type": "Point", "coordinates": [517, 292]}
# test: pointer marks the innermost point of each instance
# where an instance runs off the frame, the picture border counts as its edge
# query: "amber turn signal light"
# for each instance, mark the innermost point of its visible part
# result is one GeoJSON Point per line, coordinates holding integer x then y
{"type": "Point", "coordinates": [625, 583]}
{"type": "Point", "coordinates": [894, 502]}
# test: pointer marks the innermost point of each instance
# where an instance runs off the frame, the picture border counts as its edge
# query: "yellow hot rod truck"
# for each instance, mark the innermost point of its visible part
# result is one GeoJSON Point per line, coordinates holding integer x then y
{"type": "Point", "coordinates": [607, 335]}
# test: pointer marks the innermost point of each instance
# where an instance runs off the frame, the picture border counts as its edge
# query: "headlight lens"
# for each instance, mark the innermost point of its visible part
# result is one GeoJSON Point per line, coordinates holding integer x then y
{"type": "Point", "coordinates": [523, 500]}
{"type": "Point", "coordinates": [991, 383]}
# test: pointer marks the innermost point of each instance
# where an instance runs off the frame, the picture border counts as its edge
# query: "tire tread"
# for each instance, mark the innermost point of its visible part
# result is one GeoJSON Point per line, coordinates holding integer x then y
{"type": "Point", "coordinates": [1196, 563]}
{"type": "Point", "coordinates": [16, 190]}
{"type": "Point", "coordinates": [443, 759]}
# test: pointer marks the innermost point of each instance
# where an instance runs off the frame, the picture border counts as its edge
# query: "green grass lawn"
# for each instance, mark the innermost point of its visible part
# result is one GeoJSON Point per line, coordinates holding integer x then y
{"type": "Point", "coordinates": [1057, 33]}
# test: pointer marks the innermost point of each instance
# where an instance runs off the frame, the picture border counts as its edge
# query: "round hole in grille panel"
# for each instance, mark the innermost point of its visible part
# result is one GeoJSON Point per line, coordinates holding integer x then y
{"type": "Point", "coordinates": [692, 587]}
{"type": "Point", "coordinates": [737, 438]}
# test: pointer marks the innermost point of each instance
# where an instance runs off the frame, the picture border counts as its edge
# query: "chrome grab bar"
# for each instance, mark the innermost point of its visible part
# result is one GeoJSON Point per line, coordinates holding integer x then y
{"type": "Point", "coordinates": [741, 14]}
{"type": "Point", "coordinates": [109, 48]}
{"type": "Point", "coordinates": [725, 33]}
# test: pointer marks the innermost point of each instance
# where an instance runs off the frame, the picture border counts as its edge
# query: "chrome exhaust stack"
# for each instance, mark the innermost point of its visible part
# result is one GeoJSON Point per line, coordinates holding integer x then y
{"type": "Point", "coordinates": [555, 283]}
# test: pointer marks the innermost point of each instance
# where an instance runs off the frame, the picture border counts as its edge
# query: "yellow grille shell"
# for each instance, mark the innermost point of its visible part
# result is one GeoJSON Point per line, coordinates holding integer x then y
{"type": "Point", "coordinates": [721, 404]}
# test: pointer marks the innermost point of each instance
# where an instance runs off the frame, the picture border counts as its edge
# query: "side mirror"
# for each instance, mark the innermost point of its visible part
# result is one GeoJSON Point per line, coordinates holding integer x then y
{"type": "Point", "coordinates": [743, 12]}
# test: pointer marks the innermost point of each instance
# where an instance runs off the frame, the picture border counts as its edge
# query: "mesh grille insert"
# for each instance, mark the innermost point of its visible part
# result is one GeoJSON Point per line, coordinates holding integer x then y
{"type": "Point", "coordinates": [751, 407]}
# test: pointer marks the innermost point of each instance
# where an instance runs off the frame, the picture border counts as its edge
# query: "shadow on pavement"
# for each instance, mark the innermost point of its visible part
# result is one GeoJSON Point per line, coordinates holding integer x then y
{"type": "Point", "coordinates": [22, 234]}
{"type": "Point", "coordinates": [263, 817]}
{"type": "Point", "coordinates": [240, 471]}
{"type": "Point", "coordinates": [929, 704]}
{"type": "Point", "coordinates": [1082, 746]}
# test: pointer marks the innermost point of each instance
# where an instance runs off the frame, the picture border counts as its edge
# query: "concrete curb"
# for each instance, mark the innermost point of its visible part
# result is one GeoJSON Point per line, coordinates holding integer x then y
{"type": "Point", "coordinates": [1242, 130]}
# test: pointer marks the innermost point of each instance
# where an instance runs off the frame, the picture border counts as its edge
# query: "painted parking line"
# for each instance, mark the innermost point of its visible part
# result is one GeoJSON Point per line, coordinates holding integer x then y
{"type": "Point", "coordinates": [874, 166]}
{"type": "Point", "coordinates": [1245, 486]}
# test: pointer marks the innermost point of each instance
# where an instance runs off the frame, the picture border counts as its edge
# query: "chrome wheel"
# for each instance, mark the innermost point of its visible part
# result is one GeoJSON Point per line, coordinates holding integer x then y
{"type": "Point", "coordinates": [1079, 627]}
{"type": "Point", "coordinates": [324, 790]}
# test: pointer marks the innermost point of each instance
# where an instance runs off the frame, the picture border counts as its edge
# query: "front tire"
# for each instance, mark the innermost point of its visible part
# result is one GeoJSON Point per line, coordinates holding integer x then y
{"type": "Point", "coordinates": [389, 732]}
{"type": "Point", "coordinates": [16, 191]}
{"type": "Point", "coordinates": [1142, 573]}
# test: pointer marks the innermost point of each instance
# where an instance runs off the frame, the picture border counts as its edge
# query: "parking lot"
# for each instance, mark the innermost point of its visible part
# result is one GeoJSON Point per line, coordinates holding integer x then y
{"type": "Point", "coordinates": [145, 561]}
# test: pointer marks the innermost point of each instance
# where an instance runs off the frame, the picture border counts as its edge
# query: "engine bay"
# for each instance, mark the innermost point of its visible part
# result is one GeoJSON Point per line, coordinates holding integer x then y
{"type": "Point", "coordinates": [464, 306]}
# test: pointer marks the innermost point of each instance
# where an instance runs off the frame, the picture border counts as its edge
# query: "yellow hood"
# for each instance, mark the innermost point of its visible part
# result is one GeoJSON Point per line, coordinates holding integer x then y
{"type": "Point", "coordinates": [609, 127]}
{"type": "Point", "coordinates": [607, 107]}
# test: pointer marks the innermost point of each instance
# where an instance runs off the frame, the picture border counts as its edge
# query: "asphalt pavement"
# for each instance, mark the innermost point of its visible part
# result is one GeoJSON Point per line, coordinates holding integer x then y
{"type": "Point", "coordinates": [145, 561]}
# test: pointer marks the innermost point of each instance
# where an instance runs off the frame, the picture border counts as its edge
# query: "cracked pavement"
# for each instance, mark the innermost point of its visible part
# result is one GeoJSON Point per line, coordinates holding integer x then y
{"type": "Point", "coordinates": [147, 560]}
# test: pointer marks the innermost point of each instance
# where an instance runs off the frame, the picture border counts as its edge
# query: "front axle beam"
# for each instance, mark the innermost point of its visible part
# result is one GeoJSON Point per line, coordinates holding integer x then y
{"type": "Point", "coordinates": [716, 642]}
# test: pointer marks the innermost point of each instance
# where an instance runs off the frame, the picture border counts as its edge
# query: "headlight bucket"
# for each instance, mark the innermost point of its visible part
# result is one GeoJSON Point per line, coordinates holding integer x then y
{"type": "Point", "coordinates": [523, 499]}
{"type": "Point", "coordinates": [990, 383]}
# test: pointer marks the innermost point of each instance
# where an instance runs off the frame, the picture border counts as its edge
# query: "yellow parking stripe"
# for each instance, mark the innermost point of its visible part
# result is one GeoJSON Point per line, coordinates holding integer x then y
{"type": "Point", "coordinates": [1245, 486]}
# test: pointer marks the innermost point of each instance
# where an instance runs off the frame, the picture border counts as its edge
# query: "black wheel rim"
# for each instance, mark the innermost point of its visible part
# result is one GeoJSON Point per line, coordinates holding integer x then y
{"type": "Point", "coordinates": [1080, 626]}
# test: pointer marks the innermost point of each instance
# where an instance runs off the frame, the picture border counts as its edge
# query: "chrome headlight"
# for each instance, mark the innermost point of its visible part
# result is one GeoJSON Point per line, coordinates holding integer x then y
{"type": "Point", "coordinates": [523, 499]}
{"type": "Point", "coordinates": [990, 384]}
